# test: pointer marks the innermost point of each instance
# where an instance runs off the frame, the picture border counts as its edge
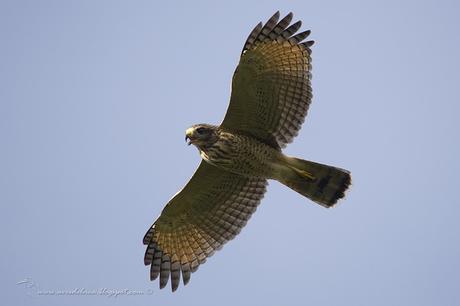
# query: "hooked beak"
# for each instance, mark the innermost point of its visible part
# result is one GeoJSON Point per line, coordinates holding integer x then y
{"type": "Point", "coordinates": [189, 136]}
{"type": "Point", "coordinates": [189, 140]}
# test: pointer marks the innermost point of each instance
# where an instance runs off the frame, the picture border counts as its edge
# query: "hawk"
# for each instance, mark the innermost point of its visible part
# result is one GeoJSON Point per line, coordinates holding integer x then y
{"type": "Point", "coordinates": [270, 96]}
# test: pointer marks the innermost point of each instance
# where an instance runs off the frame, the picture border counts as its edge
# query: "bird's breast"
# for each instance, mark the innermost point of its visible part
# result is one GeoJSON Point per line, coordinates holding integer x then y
{"type": "Point", "coordinates": [242, 155]}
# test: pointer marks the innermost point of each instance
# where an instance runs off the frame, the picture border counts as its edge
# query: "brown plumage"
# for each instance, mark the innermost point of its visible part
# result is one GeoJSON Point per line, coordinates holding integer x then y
{"type": "Point", "coordinates": [271, 94]}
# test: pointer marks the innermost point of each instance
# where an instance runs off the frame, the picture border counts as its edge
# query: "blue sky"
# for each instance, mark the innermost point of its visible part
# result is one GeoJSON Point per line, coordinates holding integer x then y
{"type": "Point", "coordinates": [95, 97]}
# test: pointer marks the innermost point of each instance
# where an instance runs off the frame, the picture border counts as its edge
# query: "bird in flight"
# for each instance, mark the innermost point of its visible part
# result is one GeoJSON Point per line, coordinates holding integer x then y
{"type": "Point", "coordinates": [270, 96]}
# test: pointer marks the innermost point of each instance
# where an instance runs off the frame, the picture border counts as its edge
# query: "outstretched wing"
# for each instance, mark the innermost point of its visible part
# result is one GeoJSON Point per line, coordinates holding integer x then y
{"type": "Point", "coordinates": [271, 88]}
{"type": "Point", "coordinates": [209, 211]}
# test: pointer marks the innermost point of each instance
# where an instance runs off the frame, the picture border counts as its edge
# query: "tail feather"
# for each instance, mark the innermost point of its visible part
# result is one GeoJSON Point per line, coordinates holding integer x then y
{"type": "Point", "coordinates": [322, 184]}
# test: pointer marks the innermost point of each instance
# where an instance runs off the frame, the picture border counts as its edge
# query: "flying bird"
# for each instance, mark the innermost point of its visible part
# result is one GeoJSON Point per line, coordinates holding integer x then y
{"type": "Point", "coordinates": [270, 96]}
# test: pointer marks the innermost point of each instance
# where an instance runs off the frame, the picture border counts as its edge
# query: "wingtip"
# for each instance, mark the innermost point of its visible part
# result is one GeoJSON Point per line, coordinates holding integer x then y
{"type": "Point", "coordinates": [174, 285]}
{"type": "Point", "coordinates": [299, 23]}
{"type": "Point", "coordinates": [148, 235]}
{"type": "Point", "coordinates": [163, 284]}
{"type": "Point", "coordinates": [186, 280]}
{"type": "Point", "coordinates": [309, 43]}
{"type": "Point", "coordinates": [274, 19]}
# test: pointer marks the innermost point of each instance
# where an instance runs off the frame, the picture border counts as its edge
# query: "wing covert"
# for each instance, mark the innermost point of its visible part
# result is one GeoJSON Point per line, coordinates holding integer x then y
{"type": "Point", "coordinates": [209, 211]}
{"type": "Point", "coordinates": [271, 89]}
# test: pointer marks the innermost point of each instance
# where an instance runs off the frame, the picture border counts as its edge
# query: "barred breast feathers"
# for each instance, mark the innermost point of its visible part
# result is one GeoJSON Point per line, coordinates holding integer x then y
{"type": "Point", "coordinates": [220, 152]}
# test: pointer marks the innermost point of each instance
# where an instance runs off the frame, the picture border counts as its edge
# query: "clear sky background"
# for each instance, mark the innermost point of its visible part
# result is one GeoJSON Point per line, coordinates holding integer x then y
{"type": "Point", "coordinates": [95, 97]}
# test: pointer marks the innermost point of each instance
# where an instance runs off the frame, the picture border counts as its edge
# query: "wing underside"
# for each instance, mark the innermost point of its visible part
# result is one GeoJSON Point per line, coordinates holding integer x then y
{"type": "Point", "coordinates": [271, 94]}
{"type": "Point", "coordinates": [209, 211]}
{"type": "Point", "coordinates": [271, 89]}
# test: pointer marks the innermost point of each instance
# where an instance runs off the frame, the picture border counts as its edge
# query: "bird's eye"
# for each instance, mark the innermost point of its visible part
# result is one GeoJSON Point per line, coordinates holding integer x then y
{"type": "Point", "coordinates": [200, 130]}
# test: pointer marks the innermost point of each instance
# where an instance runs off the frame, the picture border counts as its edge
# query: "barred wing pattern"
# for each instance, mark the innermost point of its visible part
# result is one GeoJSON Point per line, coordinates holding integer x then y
{"type": "Point", "coordinates": [271, 89]}
{"type": "Point", "coordinates": [209, 211]}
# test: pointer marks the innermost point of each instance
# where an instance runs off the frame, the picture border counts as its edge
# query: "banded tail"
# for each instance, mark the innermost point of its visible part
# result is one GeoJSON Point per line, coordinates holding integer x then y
{"type": "Point", "coordinates": [320, 183]}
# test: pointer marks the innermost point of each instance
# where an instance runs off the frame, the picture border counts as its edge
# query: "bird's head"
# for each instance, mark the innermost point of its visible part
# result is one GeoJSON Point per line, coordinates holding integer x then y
{"type": "Point", "coordinates": [201, 135]}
